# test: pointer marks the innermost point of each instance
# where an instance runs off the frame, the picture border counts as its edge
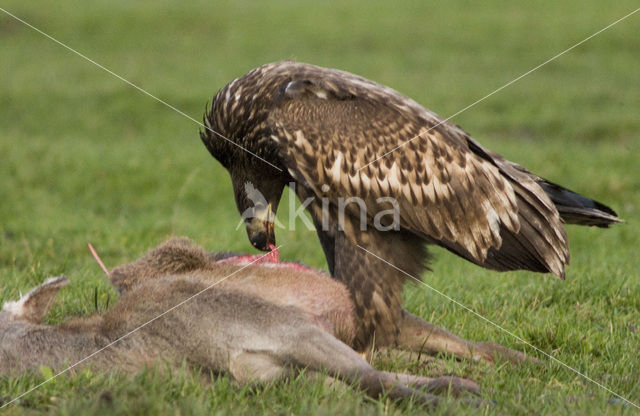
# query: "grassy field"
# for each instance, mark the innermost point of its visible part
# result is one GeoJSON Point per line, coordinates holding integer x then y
{"type": "Point", "coordinates": [85, 157]}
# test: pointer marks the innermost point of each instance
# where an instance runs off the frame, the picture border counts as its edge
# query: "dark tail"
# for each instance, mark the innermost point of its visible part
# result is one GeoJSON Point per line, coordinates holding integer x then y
{"type": "Point", "coordinates": [577, 209]}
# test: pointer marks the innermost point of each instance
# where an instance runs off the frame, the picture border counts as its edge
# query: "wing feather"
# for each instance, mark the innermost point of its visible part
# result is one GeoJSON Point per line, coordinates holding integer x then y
{"type": "Point", "coordinates": [450, 190]}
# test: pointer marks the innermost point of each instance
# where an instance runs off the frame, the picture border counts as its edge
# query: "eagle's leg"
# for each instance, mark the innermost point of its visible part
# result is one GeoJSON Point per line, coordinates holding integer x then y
{"type": "Point", "coordinates": [376, 281]}
{"type": "Point", "coordinates": [376, 296]}
{"type": "Point", "coordinates": [376, 293]}
{"type": "Point", "coordinates": [419, 335]}
{"type": "Point", "coordinates": [374, 265]}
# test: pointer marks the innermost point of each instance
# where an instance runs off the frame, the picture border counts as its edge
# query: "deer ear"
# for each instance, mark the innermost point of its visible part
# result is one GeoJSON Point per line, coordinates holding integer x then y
{"type": "Point", "coordinates": [34, 306]}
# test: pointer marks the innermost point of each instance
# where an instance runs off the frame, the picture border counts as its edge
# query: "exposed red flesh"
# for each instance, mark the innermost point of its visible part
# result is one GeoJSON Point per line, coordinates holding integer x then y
{"type": "Point", "coordinates": [262, 259]}
{"type": "Point", "coordinates": [273, 254]}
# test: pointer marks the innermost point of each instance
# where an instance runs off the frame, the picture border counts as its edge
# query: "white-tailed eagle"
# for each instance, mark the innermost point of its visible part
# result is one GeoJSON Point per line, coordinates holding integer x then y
{"type": "Point", "coordinates": [322, 128]}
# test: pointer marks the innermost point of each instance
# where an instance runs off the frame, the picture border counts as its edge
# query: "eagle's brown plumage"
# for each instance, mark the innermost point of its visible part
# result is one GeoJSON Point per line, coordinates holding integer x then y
{"type": "Point", "coordinates": [318, 126]}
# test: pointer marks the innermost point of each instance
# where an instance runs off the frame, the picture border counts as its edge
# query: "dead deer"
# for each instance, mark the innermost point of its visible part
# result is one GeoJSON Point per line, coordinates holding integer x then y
{"type": "Point", "coordinates": [257, 322]}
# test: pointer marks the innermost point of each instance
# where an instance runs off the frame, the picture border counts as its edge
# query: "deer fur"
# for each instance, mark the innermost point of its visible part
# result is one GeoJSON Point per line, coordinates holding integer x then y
{"type": "Point", "coordinates": [256, 322]}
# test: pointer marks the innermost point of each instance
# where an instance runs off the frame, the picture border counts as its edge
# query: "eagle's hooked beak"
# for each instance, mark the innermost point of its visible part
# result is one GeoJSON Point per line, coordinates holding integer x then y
{"type": "Point", "coordinates": [260, 229]}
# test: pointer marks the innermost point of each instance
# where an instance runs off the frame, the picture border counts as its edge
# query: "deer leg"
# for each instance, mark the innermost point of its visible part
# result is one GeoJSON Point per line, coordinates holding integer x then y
{"type": "Point", "coordinates": [438, 385]}
{"type": "Point", "coordinates": [317, 350]}
{"type": "Point", "coordinates": [418, 335]}
{"type": "Point", "coordinates": [311, 348]}
{"type": "Point", "coordinates": [250, 367]}
{"type": "Point", "coordinates": [455, 386]}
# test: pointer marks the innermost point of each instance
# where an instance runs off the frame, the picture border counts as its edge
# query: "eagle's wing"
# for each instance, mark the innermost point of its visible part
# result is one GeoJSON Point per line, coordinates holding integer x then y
{"type": "Point", "coordinates": [331, 124]}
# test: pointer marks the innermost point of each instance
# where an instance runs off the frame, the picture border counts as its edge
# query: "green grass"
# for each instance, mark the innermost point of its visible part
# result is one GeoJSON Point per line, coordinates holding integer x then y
{"type": "Point", "coordinates": [86, 158]}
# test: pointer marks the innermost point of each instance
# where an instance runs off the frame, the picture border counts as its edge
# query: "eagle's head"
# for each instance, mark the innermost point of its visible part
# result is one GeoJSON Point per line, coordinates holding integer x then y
{"type": "Point", "coordinates": [257, 201]}
{"type": "Point", "coordinates": [237, 134]}
{"type": "Point", "coordinates": [257, 188]}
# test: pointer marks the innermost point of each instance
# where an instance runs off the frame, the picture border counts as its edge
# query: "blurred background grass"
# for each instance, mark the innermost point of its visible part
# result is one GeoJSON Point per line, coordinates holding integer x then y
{"type": "Point", "coordinates": [85, 157]}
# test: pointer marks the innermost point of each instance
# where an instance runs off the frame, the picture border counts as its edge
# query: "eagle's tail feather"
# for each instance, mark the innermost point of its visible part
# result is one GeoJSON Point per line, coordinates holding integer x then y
{"type": "Point", "coordinates": [577, 209]}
